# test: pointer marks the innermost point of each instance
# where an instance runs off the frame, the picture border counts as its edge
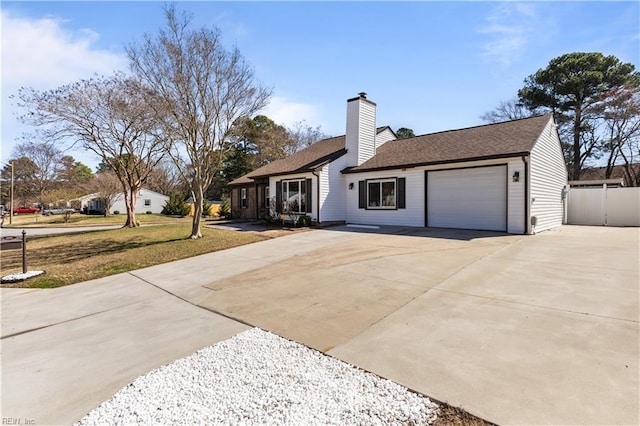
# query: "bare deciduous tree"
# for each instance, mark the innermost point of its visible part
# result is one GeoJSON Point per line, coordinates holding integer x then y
{"type": "Point", "coordinates": [622, 131]}
{"type": "Point", "coordinates": [511, 109]}
{"type": "Point", "coordinates": [205, 89]}
{"type": "Point", "coordinates": [45, 155]}
{"type": "Point", "coordinates": [108, 185]}
{"type": "Point", "coordinates": [165, 179]}
{"type": "Point", "coordinates": [304, 135]}
{"type": "Point", "coordinates": [113, 117]}
{"type": "Point", "coordinates": [25, 185]}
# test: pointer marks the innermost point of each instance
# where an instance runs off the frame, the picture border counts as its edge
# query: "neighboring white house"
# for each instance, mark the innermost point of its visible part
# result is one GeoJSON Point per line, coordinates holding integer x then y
{"type": "Point", "coordinates": [508, 177]}
{"type": "Point", "coordinates": [147, 201]}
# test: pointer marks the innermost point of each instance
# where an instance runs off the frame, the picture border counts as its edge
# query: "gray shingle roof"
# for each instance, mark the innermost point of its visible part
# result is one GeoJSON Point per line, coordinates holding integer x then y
{"type": "Point", "coordinates": [488, 141]}
{"type": "Point", "coordinates": [302, 161]}
{"type": "Point", "coordinates": [505, 139]}
{"type": "Point", "coordinates": [305, 160]}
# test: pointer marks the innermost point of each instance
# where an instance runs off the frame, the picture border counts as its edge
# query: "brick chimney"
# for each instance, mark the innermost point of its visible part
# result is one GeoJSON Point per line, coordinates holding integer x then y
{"type": "Point", "coordinates": [361, 130]}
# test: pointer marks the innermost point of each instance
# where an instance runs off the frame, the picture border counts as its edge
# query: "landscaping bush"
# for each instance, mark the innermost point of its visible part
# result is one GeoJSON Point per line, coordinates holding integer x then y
{"type": "Point", "coordinates": [176, 206]}
{"type": "Point", "coordinates": [304, 220]}
{"type": "Point", "coordinates": [116, 212]}
{"type": "Point", "coordinates": [206, 207]}
{"type": "Point", "coordinates": [225, 208]}
{"type": "Point", "coordinates": [149, 212]}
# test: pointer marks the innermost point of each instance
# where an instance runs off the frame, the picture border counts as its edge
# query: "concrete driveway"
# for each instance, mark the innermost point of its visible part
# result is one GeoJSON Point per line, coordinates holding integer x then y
{"type": "Point", "coordinates": [517, 330]}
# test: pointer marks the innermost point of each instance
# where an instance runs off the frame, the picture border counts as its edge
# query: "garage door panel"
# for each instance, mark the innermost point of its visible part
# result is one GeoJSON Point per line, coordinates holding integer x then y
{"type": "Point", "coordinates": [468, 198]}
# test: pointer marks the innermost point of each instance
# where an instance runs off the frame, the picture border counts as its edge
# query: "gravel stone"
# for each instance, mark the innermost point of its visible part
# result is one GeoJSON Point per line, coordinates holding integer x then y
{"type": "Point", "coordinates": [257, 377]}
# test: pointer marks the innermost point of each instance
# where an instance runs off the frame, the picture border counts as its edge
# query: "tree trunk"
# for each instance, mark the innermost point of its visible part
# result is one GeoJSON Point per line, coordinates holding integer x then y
{"type": "Point", "coordinates": [610, 163]}
{"type": "Point", "coordinates": [197, 212]}
{"type": "Point", "coordinates": [629, 172]}
{"type": "Point", "coordinates": [576, 166]}
{"type": "Point", "coordinates": [130, 199]}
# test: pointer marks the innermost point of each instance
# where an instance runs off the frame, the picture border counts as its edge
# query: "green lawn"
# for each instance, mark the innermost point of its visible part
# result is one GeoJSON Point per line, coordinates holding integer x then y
{"type": "Point", "coordinates": [73, 258]}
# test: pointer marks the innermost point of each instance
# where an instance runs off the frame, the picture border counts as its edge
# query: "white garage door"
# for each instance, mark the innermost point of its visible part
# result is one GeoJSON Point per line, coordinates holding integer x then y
{"type": "Point", "coordinates": [473, 198]}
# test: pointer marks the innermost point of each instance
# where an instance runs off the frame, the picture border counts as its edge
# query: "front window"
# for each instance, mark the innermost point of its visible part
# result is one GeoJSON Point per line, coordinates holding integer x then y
{"type": "Point", "coordinates": [147, 203]}
{"type": "Point", "coordinates": [243, 197]}
{"type": "Point", "coordinates": [381, 194]}
{"type": "Point", "coordinates": [266, 197]}
{"type": "Point", "coordinates": [294, 196]}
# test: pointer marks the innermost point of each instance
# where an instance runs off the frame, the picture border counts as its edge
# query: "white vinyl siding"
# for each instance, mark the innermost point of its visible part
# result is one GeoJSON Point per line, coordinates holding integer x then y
{"type": "Point", "coordinates": [414, 213]}
{"type": "Point", "coordinates": [473, 198]}
{"type": "Point", "coordinates": [361, 131]}
{"type": "Point", "coordinates": [548, 180]}
{"type": "Point", "coordinates": [332, 191]}
{"type": "Point", "coordinates": [517, 220]}
{"type": "Point", "coordinates": [411, 215]}
{"type": "Point", "coordinates": [157, 202]}
{"type": "Point", "coordinates": [384, 136]}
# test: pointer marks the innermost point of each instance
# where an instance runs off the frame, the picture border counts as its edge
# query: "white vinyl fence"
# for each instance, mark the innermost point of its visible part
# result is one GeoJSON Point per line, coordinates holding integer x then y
{"type": "Point", "coordinates": [604, 206]}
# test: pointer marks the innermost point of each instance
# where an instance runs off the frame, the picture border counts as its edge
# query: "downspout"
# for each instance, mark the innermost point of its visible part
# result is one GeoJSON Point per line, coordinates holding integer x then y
{"type": "Point", "coordinates": [317, 192]}
{"type": "Point", "coordinates": [527, 214]}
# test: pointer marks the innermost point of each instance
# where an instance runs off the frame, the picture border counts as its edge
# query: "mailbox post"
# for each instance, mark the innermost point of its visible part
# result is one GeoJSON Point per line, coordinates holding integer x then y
{"type": "Point", "coordinates": [24, 251]}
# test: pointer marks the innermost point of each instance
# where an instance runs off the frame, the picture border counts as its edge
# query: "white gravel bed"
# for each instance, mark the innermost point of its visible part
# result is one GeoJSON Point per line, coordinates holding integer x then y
{"type": "Point", "coordinates": [19, 276]}
{"type": "Point", "coordinates": [257, 377]}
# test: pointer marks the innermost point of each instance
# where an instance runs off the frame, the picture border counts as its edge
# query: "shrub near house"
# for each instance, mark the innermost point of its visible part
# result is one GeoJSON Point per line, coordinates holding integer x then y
{"type": "Point", "coordinates": [176, 206]}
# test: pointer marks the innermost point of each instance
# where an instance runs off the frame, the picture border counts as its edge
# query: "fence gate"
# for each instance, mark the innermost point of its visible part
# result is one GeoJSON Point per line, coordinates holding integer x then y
{"type": "Point", "coordinates": [604, 206]}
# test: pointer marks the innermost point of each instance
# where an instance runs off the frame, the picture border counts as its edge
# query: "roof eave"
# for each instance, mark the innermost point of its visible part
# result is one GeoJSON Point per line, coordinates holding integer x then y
{"type": "Point", "coordinates": [350, 170]}
{"type": "Point", "coordinates": [307, 168]}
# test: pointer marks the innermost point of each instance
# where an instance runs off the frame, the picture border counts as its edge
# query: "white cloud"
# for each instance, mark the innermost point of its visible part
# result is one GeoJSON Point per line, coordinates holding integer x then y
{"type": "Point", "coordinates": [288, 112]}
{"type": "Point", "coordinates": [43, 54]}
{"type": "Point", "coordinates": [510, 28]}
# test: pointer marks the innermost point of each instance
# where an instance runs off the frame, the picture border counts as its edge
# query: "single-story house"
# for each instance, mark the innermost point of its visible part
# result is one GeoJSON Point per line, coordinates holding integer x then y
{"type": "Point", "coordinates": [597, 183]}
{"type": "Point", "coordinates": [147, 201]}
{"type": "Point", "coordinates": [509, 177]}
{"type": "Point", "coordinates": [629, 175]}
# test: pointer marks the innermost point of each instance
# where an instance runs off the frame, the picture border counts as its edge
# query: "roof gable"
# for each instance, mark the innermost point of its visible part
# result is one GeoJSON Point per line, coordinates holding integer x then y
{"type": "Point", "coordinates": [305, 160]}
{"type": "Point", "coordinates": [515, 137]}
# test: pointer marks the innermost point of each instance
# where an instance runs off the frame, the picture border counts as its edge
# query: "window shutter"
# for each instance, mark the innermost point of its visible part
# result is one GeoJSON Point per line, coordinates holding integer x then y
{"type": "Point", "coordinates": [279, 196]}
{"type": "Point", "coordinates": [362, 195]}
{"type": "Point", "coordinates": [401, 193]}
{"type": "Point", "coordinates": [308, 194]}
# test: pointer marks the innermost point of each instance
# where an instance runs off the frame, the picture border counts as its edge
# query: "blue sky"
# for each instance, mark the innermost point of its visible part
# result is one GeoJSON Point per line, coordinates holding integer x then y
{"type": "Point", "coordinates": [430, 66]}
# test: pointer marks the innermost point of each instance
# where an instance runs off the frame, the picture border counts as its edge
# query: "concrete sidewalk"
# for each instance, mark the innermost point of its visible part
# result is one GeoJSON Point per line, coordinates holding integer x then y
{"type": "Point", "coordinates": [66, 350]}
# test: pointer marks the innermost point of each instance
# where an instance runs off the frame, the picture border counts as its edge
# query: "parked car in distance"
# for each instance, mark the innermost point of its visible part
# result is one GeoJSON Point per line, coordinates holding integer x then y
{"type": "Point", "coordinates": [48, 212]}
{"type": "Point", "coordinates": [25, 210]}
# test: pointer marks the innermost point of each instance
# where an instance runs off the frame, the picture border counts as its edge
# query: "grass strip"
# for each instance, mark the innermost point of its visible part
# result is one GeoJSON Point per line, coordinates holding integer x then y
{"type": "Point", "coordinates": [73, 258]}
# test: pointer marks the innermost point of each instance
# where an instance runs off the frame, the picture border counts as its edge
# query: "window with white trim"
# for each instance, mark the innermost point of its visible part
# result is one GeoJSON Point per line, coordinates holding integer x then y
{"type": "Point", "coordinates": [294, 196]}
{"type": "Point", "coordinates": [147, 203]}
{"type": "Point", "coordinates": [381, 194]}
{"type": "Point", "coordinates": [243, 198]}
{"type": "Point", "coordinates": [267, 202]}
